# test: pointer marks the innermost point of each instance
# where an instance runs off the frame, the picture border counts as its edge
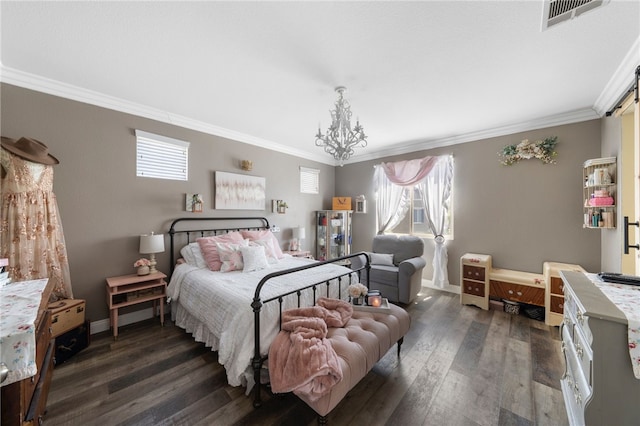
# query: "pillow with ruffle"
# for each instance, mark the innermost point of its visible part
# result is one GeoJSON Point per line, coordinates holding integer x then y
{"type": "Point", "coordinates": [265, 234]}
{"type": "Point", "coordinates": [254, 258]}
{"type": "Point", "coordinates": [210, 250]}
{"type": "Point", "coordinates": [231, 256]}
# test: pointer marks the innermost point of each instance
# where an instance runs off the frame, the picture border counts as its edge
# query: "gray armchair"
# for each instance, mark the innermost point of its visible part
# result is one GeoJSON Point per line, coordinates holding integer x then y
{"type": "Point", "coordinates": [396, 266]}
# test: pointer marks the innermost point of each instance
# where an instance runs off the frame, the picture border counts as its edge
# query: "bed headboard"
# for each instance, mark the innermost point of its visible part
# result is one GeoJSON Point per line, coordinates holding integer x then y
{"type": "Point", "coordinates": [185, 230]}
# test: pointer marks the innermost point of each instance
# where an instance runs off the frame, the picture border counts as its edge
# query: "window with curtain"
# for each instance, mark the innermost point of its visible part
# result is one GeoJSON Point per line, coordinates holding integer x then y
{"type": "Point", "coordinates": [416, 223]}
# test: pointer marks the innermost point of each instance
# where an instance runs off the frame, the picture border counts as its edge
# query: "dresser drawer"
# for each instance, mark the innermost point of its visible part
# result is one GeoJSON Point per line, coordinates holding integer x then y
{"type": "Point", "coordinates": [473, 287]}
{"type": "Point", "coordinates": [516, 292]}
{"type": "Point", "coordinates": [557, 286]}
{"type": "Point", "coordinates": [556, 304]}
{"type": "Point", "coordinates": [581, 388]}
{"type": "Point", "coordinates": [473, 272]}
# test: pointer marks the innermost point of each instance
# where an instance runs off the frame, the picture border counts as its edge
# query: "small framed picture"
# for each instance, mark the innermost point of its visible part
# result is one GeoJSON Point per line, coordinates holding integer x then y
{"type": "Point", "coordinates": [361, 204]}
{"type": "Point", "coordinates": [194, 203]}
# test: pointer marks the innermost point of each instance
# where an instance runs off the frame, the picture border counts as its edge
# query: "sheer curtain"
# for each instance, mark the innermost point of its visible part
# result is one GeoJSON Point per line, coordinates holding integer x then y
{"type": "Point", "coordinates": [392, 195]}
{"type": "Point", "coordinates": [436, 193]}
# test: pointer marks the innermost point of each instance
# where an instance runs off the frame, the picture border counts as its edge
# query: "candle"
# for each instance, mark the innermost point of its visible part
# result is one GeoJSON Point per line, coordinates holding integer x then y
{"type": "Point", "coordinates": [375, 301]}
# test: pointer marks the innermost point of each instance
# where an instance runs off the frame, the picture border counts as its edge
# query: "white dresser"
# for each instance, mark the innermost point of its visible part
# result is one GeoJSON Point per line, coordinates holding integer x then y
{"type": "Point", "coordinates": [598, 385]}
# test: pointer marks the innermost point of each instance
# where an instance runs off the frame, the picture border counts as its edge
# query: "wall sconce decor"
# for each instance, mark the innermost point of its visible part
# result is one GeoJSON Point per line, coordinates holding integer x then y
{"type": "Point", "coordinates": [361, 204]}
{"type": "Point", "coordinates": [279, 206]}
{"type": "Point", "coordinates": [194, 203]}
{"type": "Point", "coordinates": [246, 165]}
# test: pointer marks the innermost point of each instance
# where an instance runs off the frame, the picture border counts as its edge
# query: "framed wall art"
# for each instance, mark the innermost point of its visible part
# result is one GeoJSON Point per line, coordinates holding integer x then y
{"type": "Point", "coordinates": [239, 192]}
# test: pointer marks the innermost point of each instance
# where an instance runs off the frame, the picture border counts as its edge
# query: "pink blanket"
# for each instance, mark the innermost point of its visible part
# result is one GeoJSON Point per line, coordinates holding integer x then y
{"type": "Point", "coordinates": [301, 358]}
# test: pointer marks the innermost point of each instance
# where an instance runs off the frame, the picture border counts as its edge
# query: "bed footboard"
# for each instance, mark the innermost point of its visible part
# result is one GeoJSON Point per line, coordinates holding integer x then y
{"type": "Point", "coordinates": [345, 278]}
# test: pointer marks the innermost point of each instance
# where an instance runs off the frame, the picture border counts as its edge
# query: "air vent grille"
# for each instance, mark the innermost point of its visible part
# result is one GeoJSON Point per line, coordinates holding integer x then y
{"type": "Point", "coordinates": [556, 11]}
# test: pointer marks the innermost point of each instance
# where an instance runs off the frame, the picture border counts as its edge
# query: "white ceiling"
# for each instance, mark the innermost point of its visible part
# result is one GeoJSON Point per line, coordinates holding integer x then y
{"type": "Point", "coordinates": [418, 74]}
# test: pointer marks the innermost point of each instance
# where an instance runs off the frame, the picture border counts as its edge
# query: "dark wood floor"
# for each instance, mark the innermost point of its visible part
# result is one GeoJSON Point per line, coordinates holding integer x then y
{"type": "Point", "coordinates": [460, 365]}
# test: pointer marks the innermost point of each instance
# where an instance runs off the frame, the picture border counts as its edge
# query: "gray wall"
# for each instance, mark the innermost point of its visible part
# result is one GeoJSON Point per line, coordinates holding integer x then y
{"type": "Point", "coordinates": [105, 207]}
{"type": "Point", "coordinates": [522, 215]}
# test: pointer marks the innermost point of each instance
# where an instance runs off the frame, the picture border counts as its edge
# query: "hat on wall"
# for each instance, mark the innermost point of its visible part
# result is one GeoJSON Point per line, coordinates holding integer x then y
{"type": "Point", "coordinates": [29, 149]}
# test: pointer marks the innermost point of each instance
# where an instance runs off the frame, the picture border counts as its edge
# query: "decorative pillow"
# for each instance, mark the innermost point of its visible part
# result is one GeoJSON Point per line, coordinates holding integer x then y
{"type": "Point", "coordinates": [210, 250]}
{"type": "Point", "coordinates": [197, 255]}
{"type": "Point", "coordinates": [254, 258]}
{"type": "Point", "coordinates": [230, 256]}
{"type": "Point", "coordinates": [381, 259]}
{"type": "Point", "coordinates": [187, 255]}
{"type": "Point", "coordinates": [269, 249]}
{"type": "Point", "coordinates": [265, 234]}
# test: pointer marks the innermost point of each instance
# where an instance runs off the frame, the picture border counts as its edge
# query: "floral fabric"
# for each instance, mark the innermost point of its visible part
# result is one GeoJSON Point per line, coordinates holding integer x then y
{"type": "Point", "coordinates": [627, 299]}
{"type": "Point", "coordinates": [230, 256]}
{"type": "Point", "coordinates": [31, 234]}
{"type": "Point", "coordinates": [19, 303]}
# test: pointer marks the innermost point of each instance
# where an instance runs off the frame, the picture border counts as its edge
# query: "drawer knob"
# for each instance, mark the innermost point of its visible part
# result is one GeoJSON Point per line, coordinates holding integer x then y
{"type": "Point", "coordinates": [519, 293]}
{"type": "Point", "coordinates": [510, 291]}
{"type": "Point", "coordinates": [561, 289]}
{"type": "Point", "coordinates": [579, 350]}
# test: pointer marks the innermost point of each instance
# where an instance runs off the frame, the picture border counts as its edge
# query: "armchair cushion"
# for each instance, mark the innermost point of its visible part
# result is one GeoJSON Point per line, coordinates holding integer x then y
{"type": "Point", "coordinates": [381, 259]}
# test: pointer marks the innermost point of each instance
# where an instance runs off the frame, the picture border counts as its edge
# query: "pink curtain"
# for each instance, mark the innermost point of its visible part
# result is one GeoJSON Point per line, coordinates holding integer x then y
{"type": "Point", "coordinates": [410, 172]}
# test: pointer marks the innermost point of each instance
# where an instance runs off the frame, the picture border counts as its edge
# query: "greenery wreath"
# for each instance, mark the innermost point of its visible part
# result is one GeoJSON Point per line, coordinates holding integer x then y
{"type": "Point", "coordinates": [525, 150]}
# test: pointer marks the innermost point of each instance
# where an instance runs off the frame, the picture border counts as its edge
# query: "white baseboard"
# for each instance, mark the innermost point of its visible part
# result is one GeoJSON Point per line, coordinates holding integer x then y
{"type": "Point", "coordinates": [125, 319]}
{"type": "Point", "coordinates": [448, 288]}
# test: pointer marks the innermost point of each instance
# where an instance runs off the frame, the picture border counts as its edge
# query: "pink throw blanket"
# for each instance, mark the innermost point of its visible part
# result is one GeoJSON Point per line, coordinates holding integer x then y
{"type": "Point", "coordinates": [301, 358]}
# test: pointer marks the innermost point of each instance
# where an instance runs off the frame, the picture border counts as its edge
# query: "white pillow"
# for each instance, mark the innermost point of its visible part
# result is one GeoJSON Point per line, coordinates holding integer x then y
{"type": "Point", "coordinates": [197, 255]}
{"type": "Point", "coordinates": [269, 250]}
{"type": "Point", "coordinates": [254, 258]}
{"type": "Point", "coordinates": [381, 259]}
{"type": "Point", "coordinates": [187, 255]}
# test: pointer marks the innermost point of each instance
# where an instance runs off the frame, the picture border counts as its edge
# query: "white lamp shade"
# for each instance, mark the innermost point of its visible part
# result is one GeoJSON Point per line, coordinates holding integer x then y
{"type": "Point", "coordinates": [299, 233]}
{"type": "Point", "coordinates": [151, 243]}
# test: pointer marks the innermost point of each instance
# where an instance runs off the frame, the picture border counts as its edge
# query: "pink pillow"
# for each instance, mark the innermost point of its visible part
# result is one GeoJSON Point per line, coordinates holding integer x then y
{"type": "Point", "coordinates": [210, 250]}
{"type": "Point", "coordinates": [265, 234]}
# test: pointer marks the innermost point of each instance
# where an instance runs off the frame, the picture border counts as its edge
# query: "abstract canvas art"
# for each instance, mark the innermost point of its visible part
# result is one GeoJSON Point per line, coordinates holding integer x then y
{"type": "Point", "coordinates": [239, 192]}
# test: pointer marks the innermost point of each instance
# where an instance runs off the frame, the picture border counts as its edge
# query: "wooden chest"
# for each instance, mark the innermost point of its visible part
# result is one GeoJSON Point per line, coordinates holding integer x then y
{"type": "Point", "coordinates": [66, 315]}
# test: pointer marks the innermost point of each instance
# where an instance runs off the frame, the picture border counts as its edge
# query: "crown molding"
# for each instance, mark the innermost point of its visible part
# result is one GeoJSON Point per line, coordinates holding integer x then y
{"type": "Point", "coordinates": [56, 88]}
{"type": "Point", "coordinates": [67, 91]}
{"type": "Point", "coordinates": [535, 124]}
{"type": "Point", "coordinates": [622, 79]}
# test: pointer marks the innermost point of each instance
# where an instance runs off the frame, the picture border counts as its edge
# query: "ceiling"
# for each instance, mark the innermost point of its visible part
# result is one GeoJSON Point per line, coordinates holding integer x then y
{"type": "Point", "coordinates": [418, 74]}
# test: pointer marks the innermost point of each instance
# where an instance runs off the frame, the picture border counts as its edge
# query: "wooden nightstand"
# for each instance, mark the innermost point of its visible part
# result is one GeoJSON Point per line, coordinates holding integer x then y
{"type": "Point", "coordinates": [128, 290]}
{"type": "Point", "coordinates": [299, 253]}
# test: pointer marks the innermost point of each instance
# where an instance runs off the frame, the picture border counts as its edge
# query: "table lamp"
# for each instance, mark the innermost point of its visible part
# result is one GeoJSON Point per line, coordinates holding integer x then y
{"type": "Point", "coordinates": [299, 233]}
{"type": "Point", "coordinates": [151, 244]}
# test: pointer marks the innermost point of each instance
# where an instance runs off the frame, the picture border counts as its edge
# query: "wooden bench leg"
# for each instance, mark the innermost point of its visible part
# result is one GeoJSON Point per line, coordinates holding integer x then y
{"type": "Point", "coordinates": [400, 345]}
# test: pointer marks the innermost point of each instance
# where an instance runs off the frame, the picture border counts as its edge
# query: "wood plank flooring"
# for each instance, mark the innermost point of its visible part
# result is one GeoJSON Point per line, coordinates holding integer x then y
{"type": "Point", "coordinates": [459, 365]}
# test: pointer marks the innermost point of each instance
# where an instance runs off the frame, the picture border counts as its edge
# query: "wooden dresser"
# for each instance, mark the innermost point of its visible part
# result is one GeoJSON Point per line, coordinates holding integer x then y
{"type": "Point", "coordinates": [24, 402]}
{"type": "Point", "coordinates": [598, 385]}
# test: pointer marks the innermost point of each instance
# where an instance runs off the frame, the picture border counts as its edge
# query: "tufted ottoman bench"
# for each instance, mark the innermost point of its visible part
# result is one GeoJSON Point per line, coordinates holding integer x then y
{"type": "Point", "coordinates": [360, 344]}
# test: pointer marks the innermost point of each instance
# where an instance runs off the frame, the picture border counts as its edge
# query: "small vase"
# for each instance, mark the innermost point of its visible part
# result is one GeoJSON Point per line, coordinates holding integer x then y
{"type": "Point", "coordinates": [356, 300]}
{"type": "Point", "coordinates": [143, 270]}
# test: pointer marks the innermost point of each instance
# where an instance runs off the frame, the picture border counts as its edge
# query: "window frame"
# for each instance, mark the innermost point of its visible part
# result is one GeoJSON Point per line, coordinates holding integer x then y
{"type": "Point", "coordinates": [157, 157]}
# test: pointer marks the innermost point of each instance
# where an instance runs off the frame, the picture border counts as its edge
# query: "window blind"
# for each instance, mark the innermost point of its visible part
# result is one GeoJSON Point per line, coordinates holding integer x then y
{"type": "Point", "coordinates": [309, 180]}
{"type": "Point", "coordinates": [161, 157]}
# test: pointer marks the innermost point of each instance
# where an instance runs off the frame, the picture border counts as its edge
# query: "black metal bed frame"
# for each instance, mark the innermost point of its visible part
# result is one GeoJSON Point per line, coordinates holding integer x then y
{"type": "Point", "coordinates": [257, 303]}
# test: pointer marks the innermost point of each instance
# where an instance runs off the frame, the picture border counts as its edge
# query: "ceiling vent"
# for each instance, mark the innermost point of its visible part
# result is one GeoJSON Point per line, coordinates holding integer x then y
{"type": "Point", "coordinates": [557, 11]}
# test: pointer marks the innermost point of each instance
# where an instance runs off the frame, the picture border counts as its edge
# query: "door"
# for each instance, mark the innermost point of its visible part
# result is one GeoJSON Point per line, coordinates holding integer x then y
{"type": "Point", "coordinates": [630, 182]}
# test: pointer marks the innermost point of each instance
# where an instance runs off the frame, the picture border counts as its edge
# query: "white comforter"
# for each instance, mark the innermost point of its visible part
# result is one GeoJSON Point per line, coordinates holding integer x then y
{"type": "Point", "coordinates": [216, 308]}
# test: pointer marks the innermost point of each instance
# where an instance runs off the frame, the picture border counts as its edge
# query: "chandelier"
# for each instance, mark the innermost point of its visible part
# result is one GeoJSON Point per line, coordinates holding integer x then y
{"type": "Point", "coordinates": [340, 138]}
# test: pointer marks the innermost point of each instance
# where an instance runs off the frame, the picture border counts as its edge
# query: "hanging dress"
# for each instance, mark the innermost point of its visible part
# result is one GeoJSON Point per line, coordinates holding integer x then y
{"type": "Point", "coordinates": [31, 235]}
